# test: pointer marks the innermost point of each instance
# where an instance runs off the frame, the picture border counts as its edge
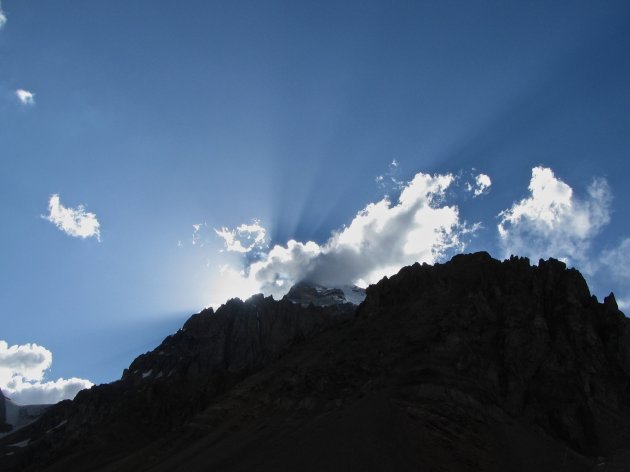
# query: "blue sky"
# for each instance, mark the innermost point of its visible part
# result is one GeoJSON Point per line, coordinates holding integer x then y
{"type": "Point", "coordinates": [289, 118]}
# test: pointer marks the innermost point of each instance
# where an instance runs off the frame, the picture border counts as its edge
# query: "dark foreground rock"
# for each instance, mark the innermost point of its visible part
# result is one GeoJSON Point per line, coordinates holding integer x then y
{"type": "Point", "coordinates": [3, 415]}
{"type": "Point", "coordinates": [472, 365]}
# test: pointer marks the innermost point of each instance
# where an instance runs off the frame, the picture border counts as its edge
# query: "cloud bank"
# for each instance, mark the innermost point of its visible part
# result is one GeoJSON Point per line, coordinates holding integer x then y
{"type": "Point", "coordinates": [22, 369]}
{"type": "Point", "coordinates": [553, 222]}
{"type": "Point", "coordinates": [380, 239]}
{"type": "Point", "coordinates": [25, 97]}
{"type": "Point", "coordinates": [73, 221]}
{"type": "Point", "coordinates": [421, 226]}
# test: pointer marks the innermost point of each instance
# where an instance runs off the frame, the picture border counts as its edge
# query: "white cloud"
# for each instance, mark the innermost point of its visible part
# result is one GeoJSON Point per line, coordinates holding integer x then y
{"type": "Point", "coordinates": [25, 97]}
{"type": "Point", "coordinates": [22, 370]}
{"type": "Point", "coordinates": [29, 360]}
{"type": "Point", "coordinates": [380, 239]}
{"type": "Point", "coordinates": [552, 221]}
{"type": "Point", "coordinates": [482, 185]}
{"type": "Point", "coordinates": [29, 393]}
{"type": "Point", "coordinates": [243, 238]}
{"type": "Point", "coordinates": [3, 17]}
{"type": "Point", "coordinates": [73, 221]}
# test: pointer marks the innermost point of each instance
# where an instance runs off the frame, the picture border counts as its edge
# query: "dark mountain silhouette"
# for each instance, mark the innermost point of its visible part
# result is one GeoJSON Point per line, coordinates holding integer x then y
{"type": "Point", "coordinates": [471, 365]}
{"type": "Point", "coordinates": [4, 426]}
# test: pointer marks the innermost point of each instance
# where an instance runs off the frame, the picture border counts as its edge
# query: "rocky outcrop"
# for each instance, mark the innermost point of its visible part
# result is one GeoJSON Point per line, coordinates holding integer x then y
{"type": "Point", "coordinates": [4, 427]}
{"type": "Point", "coordinates": [307, 293]}
{"type": "Point", "coordinates": [532, 339]}
{"type": "Point", "coordinates": [471, 365]}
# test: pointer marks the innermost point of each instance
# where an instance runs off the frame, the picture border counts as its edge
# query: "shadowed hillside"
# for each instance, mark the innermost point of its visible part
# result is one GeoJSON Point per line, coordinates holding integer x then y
{"type": "Point", "coordinates": [471, 365]}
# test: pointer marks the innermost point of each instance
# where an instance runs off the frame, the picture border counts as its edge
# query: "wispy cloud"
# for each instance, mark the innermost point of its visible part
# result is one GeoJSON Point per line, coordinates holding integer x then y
{"type": "Point", "coordinates": [25, 97]}
{"type": "Point", "coordinates": [617, 260]}
{"type": "Point", "coordinates": [552, 221]}
{"type": "Point", "coordinates": [615, 263]}
{"type": "Point", "coordinates": [22, 371]}
{"type": "Point", "coordinates": [73, 221]}
{"type": "Point", "coordinates": [389, 181]}
{"type": "Point", "coordinates": [243, 238]}
{"type": "Point", "coordinates": [3, 17]}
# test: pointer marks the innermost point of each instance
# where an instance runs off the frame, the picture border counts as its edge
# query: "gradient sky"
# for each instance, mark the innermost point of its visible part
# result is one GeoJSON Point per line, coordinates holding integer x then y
{"type": "Point", "coordinates": [291, 116]}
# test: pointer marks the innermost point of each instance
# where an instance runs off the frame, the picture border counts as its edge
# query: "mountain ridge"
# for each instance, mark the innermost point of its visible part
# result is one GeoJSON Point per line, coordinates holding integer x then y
{"type": "Point", "coordinates": [305, 293]}
{"type": "Point", "coordinates": [467, 365]}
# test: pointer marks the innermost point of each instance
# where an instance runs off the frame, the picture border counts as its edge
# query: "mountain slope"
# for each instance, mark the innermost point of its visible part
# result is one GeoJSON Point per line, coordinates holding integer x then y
{"type": "Point", "coordinates": [472, 365]}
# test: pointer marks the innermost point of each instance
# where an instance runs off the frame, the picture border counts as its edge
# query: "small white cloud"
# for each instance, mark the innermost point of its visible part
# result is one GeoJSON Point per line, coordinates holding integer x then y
{"type": "Point", "coordinates": [482, 185]}
{"type": "Point", "coordinates": [22, 369]}
{"type": "Point", "coordinates": [243, 238]}
{"type": "Point", "coordinates": [73, 221]}
{"type": "Point", "coordinates": [25, 97]}
{"type": "Point", "coordinates": [552, 221]}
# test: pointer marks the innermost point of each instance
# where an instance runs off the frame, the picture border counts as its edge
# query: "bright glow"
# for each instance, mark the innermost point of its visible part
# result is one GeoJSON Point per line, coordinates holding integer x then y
{"type": "Point", "coordinates": [25, 97]}
{"type": "Point", "coordinates": [73, 221]}
{"type": "Point", "coordinates": [231, 283]}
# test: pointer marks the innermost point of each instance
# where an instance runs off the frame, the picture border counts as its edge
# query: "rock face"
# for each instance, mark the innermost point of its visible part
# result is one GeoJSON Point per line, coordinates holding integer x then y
{"type": "Point", "coordinates": [3, 415]}
{"type": "Point", "coordinates": [471, 365]}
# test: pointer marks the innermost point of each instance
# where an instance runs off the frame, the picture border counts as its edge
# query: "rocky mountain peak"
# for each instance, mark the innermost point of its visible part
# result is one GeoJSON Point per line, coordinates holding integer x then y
{"type": "Point", "coordinates": [307, 293]}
